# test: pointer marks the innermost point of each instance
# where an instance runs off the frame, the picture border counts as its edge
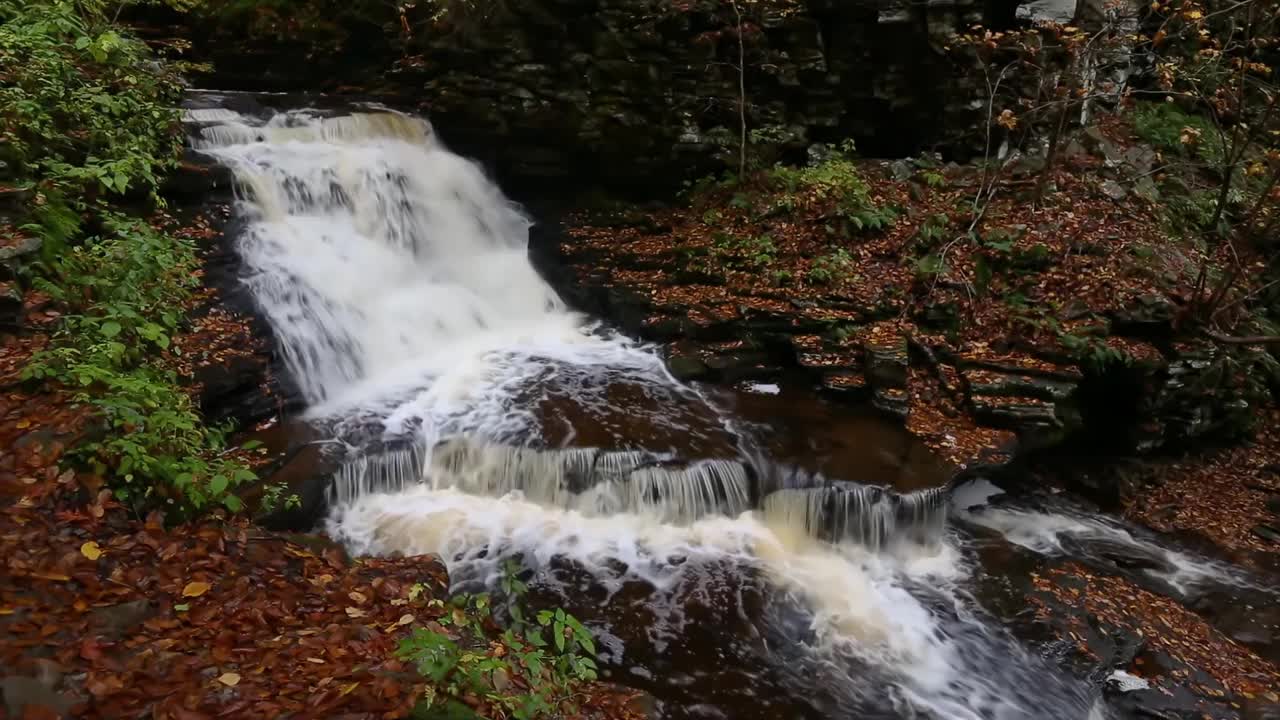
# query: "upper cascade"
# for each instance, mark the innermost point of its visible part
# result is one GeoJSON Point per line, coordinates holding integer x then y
{"type": "Point", "coordinates": [383, 260]}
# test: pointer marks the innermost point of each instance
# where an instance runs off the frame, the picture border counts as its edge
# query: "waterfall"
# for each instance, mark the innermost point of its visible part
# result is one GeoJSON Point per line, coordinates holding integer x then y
{"type": "Point", "coordinates": [391, 470]}
{"type": "Point", "coordinates": [870, 516]}
{"type": "Point", "coordinates": [396, 279]}
{"type": "Point", "coordinates": [601, 482]}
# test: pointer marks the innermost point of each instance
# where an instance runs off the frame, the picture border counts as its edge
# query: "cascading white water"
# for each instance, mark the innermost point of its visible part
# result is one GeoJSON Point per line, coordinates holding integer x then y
{"type": "Point", "coordinates": [1069, 532]}
{"type": "Point", "coordinates": [396, 278]}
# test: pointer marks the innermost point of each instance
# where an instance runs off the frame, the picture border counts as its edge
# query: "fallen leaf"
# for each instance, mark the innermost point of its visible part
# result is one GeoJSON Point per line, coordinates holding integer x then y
{"type": "Point", "coordinates": [91, 550]}
{"type": "Point", "coordinates": [28, 481]}
{"type": "Point", "coordinates": [229, 679]}
{"type": "Point", "coordinates": [355, 612]}
{"type": "Point", "coordinates": [195, 589]}
{"type": "Point", "coordinates": [89, 649]}
{"type": "Point", "coordinates": [405, 619]}
{"type": "Point", "coordinates": [23, 424]}
{"type": "Point", "coordinates": [181, 608]}
{"type": "Point", "coordinates": [357, 596]}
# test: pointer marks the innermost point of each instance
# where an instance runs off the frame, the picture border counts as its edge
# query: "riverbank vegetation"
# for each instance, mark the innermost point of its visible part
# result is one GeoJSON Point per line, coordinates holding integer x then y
{"type": "Point", "coordinates": [91, 125]}
{"type": "Point", "coordinates": [527, 666]}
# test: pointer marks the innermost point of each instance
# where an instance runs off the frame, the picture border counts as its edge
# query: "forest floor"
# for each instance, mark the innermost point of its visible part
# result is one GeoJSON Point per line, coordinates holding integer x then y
{"type": "Point", "coordinates": [850, 272]}
{"type": "Point", "coordinates": [105, 614]}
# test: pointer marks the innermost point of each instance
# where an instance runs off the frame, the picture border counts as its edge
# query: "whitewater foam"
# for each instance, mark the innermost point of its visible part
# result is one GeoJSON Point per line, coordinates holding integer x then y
{"type": "Point", "coordinates": [872, 614]}
{"type": "Point", "coordinates": [1065, 532]}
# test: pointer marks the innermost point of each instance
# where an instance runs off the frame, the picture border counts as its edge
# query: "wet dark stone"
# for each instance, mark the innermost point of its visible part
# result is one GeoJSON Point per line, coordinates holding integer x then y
{"type": "Point", "coordinates": [11, 307]}
{"type": "Point", "coordinates": [1025, 386]}
{"type": "Point", "coordinates": [887, 366]}
{"type": "Point", "coordinates": [234, 390]}
{"type": "Point", "coordinates": [1268, 533]}
{"type": "Point", "coordinates": [36, 695]}
{"type": "Point", "coordinates": [117, 620]}
{"type": "Point", "coordinates": [687, 367]}
{"type": "Point", "coordinates": [1020, 415]}
{"type": "Point", "coordinates": [196, 178]}
{"type": "Point", "coordinates": [25, 247]}
{"type": "Point", "coordinates": [1273, 504]}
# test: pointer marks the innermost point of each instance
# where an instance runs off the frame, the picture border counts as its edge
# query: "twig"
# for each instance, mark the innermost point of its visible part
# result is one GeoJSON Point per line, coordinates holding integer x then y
{"type": "Point", "coordinates": [1242, 340]}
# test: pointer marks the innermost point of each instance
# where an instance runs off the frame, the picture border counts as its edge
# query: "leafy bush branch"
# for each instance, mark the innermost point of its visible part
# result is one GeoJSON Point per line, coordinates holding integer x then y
{"type": "Point", "coordinates": [530, 669]}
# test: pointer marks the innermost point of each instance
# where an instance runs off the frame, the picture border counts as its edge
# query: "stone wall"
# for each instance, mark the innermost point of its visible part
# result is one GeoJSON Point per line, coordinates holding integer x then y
{"type": "Point", "coordinates": [633, 92]}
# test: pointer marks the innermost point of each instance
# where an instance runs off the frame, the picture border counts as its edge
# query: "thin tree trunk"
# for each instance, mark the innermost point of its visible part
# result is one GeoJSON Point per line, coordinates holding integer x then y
{"type": "Point", "coordinates": [1223, 193]}
{"type": "Point", "coordinates": [742, 95]}
{"type": "Point", "coordinates": [1051, 157]}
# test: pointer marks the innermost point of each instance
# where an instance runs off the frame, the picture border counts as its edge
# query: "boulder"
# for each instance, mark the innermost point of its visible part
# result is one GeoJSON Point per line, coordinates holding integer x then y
{"type": "Point", "coordinates": [11, 306]}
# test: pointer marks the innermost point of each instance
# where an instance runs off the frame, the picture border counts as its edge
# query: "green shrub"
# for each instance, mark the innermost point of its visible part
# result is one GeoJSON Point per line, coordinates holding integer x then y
{"type": "Point", "coordinates": [530, 669]}
{"type": "Point", "coordinates": [84, 108]}
{"type": "Point", "coordinates": [124, 291]}
{"type": "Point", "coordinates": [752, 252]}
{"type": "Point", "coordinates": [1165, 126]}
{"type": "Point", "coordinates": [86, 116]}
{"type": "Point", "coordinates": [827, 268]}
{"type": "Point", "coordinates": [836, 180]}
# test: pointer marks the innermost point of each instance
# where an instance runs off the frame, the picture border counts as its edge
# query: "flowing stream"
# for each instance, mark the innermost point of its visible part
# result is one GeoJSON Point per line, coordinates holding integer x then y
{"type": "Point", "coordinates": [483, 420]}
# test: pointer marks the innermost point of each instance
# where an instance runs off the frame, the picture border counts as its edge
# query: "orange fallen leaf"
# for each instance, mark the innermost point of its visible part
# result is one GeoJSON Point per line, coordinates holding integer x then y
{"type": "Point", "coordinates": [229, 679]}
{"type": "Point", "coordinates": [195, 589]}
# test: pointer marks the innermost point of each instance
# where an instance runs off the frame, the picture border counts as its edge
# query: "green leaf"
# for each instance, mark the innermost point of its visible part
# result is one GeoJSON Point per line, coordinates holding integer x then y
{"type": "Point", "coordinates": [251, 445]}
{"type": "Point", "coordinates": [109, 329]}
{"type": "Point", "coordinates": [218, 484]}
{"type": "Point", "coordinates": [232, 503]}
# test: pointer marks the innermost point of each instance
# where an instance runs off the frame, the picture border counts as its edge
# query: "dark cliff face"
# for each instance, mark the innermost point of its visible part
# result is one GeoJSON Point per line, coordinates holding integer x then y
{"type": "Point", "coordinates": [631, 94]}
{"type": "Point", "coordinates": [637, 93]}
